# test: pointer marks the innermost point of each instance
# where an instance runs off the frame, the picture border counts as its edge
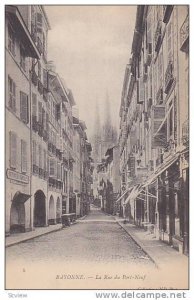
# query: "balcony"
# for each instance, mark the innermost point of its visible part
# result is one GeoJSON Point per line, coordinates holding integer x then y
{"type": "Point", "coordinates": [185, 133]}
{"type": "Point", "coordinates": [18, 23]}
{"type": "Point", "coordinates": [184, 35]}
{"type": "Point", "coordinates": [40, 87]}
{"type": "Point", "coordinates": [158, 36]}
{"type": "Point", "coordinates": [167, 10]}
{"type": "Point", "coordinates": [149, 54]}
{"type": "Point", "coordinates": [34, 78]}
{"type": "Point", "coordinates": [169, 78]}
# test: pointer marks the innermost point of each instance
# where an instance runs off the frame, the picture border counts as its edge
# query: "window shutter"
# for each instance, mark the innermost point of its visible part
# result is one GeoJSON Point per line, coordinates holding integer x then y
{"type": "Point", "coordinates": [39, 22]}
{"type": "Point", "coordinates": [34, 104]}
{"type": "Point", "coordinates": [52, 167]}
{"type": "Point", "coordinates": [24, 107]}
{"type": "Point", "coordinates": [23, 156]}
{"type": "Point", "coordinates": [40, 157]}
{"type": "Point", "coordinates": [13, 150]}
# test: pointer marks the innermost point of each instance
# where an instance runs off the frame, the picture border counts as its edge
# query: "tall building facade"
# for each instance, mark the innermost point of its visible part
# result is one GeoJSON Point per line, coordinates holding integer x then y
{"type": "Point", "coordinates": [154, 124]}
{"type": "Point", "coordinates": [39, 127]}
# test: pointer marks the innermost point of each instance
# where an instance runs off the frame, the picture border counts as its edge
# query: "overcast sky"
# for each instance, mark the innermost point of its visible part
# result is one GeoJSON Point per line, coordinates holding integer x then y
{"type": "Point", "coordinates": [90, 46]}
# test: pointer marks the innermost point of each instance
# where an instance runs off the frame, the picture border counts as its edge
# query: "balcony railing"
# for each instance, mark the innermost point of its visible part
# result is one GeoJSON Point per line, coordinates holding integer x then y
{"type": "Point", "coordinates": [184, 35]}
{"type": "Point", "coordinates": [185, 133]}
{"type": "Point", "coordinates": [169, 78]}
{"type": "Point", "coordinates": [167, 10]}
{"type": "Point", "coordinates": [158, 36]}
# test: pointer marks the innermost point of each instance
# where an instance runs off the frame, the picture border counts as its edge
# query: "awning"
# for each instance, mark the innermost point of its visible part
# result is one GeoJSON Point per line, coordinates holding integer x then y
{"type": "Point", "coordinates": [17, 21]}
{"type": "Point", "coordinates": [21, 197]}
{"type": "Point", "coordinates": [123, 194]}
{"type": "Point", "coordinates": [134, 193]}
{"type": "Point", "coordinates": [161, 169]}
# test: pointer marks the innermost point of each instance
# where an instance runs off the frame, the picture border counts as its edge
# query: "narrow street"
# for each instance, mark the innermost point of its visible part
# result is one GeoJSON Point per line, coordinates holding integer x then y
{"type": "Point", "coordinates": [94, 243]}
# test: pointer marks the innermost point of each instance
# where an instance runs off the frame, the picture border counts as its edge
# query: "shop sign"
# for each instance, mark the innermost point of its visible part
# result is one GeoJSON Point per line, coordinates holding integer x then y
{"type": "Point", "coordinates": [17, 176]}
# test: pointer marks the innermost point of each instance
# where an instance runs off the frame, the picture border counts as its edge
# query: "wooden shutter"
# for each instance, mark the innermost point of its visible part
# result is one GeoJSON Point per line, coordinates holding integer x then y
{"type": "Point", "coordinates": [12, 94]}
{"type": "Point", "coordinates": [39, 22]}
{"type": "Point", "coordinates": [40, 156]}
{"type": "Point", "coordinates": [52, 167]}
{"type": "Point", "coordinates": [13, 150]}
{"type": "Point", "coordinates": [24, 107]}
{"type": "Point", "coordinates": [23, 156]}
{"type": "Point", "coordinates": [34, 104]}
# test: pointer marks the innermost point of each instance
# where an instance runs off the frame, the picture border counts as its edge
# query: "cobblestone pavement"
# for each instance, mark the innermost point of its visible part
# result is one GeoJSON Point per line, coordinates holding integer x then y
{"type": "Point", "coordinates": [95, 244]}
{"type": "Point", "coordinates": [96, 238]}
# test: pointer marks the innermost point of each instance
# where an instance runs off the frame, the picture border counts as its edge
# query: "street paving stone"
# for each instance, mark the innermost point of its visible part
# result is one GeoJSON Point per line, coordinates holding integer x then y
{"type": "Point", "coordinates": [97, 238]}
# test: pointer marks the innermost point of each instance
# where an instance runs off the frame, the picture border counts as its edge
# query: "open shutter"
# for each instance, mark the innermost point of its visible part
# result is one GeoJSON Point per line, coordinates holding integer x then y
{"type": "Point", "coordinates": [13, 150]}
{"type": "Point", "coordinates": [23, 156]}
{"type": "Point", "coordinates": [24, 107]}
{"type": "Point", "coordinates": [40, 112]}
{"type": "Point", "coordinates": [39, 22]}
{"type": "Point", "coordinates": [34, 104]}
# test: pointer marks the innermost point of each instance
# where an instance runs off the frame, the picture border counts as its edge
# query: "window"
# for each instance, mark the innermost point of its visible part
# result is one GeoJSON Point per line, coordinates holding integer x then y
{"type": "Point", "coordinates": [11, 40]}
{"type": "Point", "coordinates": [12, 94]}
{"type": "Point", "coordinates": [59, 171]}
{"type": "Point", "coordinates": [24, 107]}
{"type": "Point", "coordinates": [52, 169]}
{"type": "Point", "coordinates": [39, 22]}
{"type": "Point", "coordinates": [23, 156]}
{"type": "Point", "coordinates": [45, 161]}
{"type": "Point", "coordinates": [40, 156]}
{"type": "Point", "coordinates": [22, 58]}
{"type": "Point", "coordinates": [34, 104]}
{"type": "Point", "coordinates": [13, 150]}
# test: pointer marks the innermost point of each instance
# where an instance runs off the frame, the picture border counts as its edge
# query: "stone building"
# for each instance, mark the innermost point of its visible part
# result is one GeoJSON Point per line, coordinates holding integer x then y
{"type": "Point", "coordinates": [154, 125]}
{"type": "Point", "coordinates": [39, 127]}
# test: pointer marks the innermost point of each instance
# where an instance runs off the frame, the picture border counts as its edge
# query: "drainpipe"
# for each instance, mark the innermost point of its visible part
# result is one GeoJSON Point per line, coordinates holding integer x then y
{"type": "Point", "coordinates": [31, 159]}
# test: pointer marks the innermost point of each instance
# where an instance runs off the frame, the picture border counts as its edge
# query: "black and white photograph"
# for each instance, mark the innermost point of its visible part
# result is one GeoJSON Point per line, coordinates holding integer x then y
{"type": "Point", "coordinates": [96, 147]}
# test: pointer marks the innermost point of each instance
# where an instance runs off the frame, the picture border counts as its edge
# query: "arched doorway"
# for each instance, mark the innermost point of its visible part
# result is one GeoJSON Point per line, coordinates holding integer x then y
{"type": "Point", "coordinates": [58, 210]}
{"type": "Point", "coordinates": [39, 209]}
{"type": "Point", "coordinates": [52, 219]}
{"type": "Point", "coordinates": [17, 217]}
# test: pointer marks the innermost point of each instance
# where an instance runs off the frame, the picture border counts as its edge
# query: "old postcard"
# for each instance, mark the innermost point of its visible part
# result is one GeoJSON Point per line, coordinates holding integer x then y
{"type": "Point", "coordinates": [97, 147]}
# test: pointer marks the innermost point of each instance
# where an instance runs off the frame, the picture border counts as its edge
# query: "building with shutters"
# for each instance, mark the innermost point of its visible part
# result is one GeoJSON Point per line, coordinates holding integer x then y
{"type": "Point", "coordinates": [154, 125]}
{"type": "Point", "coordinates": [39, 128]}
{"type": "Point", "coordinates": [20, 50]}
